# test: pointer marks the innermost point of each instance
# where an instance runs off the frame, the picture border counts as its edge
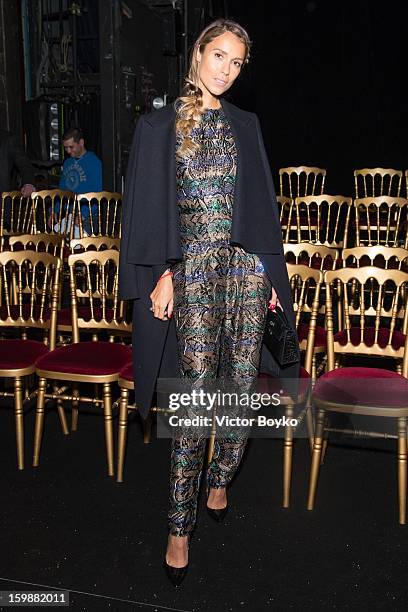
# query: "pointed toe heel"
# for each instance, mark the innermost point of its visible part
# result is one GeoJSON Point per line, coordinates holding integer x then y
{"type": "Point", "coordinates": [176, 575]}
{"type": "Point", "coordinates": [217, 515]}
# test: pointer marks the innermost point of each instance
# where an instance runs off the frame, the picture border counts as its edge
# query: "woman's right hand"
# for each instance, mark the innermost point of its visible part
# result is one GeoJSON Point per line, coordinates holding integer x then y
{"type": "Point", "coordinates": [162, 298]}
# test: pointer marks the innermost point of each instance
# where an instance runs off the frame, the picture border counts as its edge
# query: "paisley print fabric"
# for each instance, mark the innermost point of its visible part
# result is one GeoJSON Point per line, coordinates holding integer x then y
{"type": "Point", "coordinates": [220, 303]}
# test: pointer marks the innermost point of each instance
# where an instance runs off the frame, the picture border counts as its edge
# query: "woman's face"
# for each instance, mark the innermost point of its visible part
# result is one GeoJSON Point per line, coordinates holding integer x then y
{"type": "Point", "coordinates": [219, 65]}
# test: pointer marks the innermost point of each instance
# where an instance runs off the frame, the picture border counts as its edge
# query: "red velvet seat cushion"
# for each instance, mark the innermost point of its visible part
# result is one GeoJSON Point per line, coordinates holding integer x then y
{"type": "Point", "coordinates": [398, 338]}
{"type": "Point", "coordinates": [127, 371]}
{"type": "Point", "coordinates": [271, 384]}
{"type": "Point", "coordinates": [362, 386]}
{"type": "Point", "coordinates": [320, 335]}
{"type": "Point", "coordinates": [91, 358]}
{"type": "Point", "coordinates": [84, 312]}
{"type": "Point", "coordinates": [18, 354]}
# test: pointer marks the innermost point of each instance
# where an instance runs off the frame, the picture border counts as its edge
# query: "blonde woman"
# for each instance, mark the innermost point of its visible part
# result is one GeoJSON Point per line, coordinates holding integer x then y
{"type": "Point", "coordinates": [202, 258]}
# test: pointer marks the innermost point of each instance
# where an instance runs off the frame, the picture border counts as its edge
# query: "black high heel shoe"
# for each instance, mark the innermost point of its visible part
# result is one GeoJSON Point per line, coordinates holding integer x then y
{"type": "Point", "coordinates": [218, 515]}
{"type": "Point", "coordinates": [176, 575]}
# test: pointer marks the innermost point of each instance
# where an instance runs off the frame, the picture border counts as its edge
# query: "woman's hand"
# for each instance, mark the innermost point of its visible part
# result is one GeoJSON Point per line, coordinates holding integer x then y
{"type": "Point", "coordinates": [274, 301]}
{"type": "Point", "coordinates": [162, 298]}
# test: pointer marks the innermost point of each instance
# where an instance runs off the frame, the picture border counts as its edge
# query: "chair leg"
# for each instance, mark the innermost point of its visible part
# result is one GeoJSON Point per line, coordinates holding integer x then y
{"type": "Point", "coordinates": [287, 459]}
{"type": "Point", "coordinates": [324, 449]}
{"type": "Point", "coordinates": [147, 428]}
{"type": "Point", "coordinates": [19, 418]}
{"type": "Point", "coordinates": [74, 413]}
{"type": "Point", "coordinates": [107, 409]}
{"type": "Point", "coordinates": [123, 416]}
{"type": "Point", "coordinates": [61, 413]}
{"type": "Point", "coordinates": [317, 451]}
{"type": "Point", "coordinates": [402, 469]}
{"type": "Point", "coordinates": [39, 421]}
{"type": "Point", "coordinates": [314, 372]}
{"type": "Point", "coordinates": [310, 425]}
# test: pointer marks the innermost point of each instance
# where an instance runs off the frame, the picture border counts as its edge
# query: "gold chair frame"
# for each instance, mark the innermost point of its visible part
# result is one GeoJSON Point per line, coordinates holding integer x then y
{"type": "Point", "coordinates": [323, 219]}
{"type": "Point", "coordinates": [46, 202]}
{"type": "Point", "coordinates": [114, 325]}
{"type": "Point", "coordinates": [336, 350]}
{"type": "Point", "coordinates": [390, 180]}
{"type": "Point", "coordinates": [293, 174]}
{"type": "Point", "coordinates": [390, 216]}
{"type": "Point", "coordinates": [36, 308]}
{"type": "Point", "coordinates": [108, 221]}
{"type": "Point", "coordinates": [21, 214]}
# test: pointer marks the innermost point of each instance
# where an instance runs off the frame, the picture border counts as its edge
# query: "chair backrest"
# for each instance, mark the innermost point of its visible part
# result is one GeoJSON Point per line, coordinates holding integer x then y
{"type": "Point", "coordinates": [373, 182]}
{"type": "Point", "coordinates": [381, 220]}
{"type": "Point", "coordinates": [383, 257]}
{"type": "Point", "coordinates": [375, 315]}
{"type": "Point", "coordinates": [100, 214]}
{"type": "Point", "coordinates": [29, 289]}
{"type": "Point", "coordinates": [94, 293]}
{"type": "Point", "coordinates": [287, 218]}
{"type": "Point", "coordinates": [323, 219]}
{"type": "Point", "coordinates": [16, 213]}
{"type": "Point", "coordinates": [55, 212]}
{"type": "Point", "coordinates": [316, 256]}
{"type": "Point", "coordinates": [295, 181]}
{"type": "Point", "coordinates": [305, 285]}
{"type": "Point", "coordinates": [40, 243]}
{"type": "Point", "coordinates": [94, 243]}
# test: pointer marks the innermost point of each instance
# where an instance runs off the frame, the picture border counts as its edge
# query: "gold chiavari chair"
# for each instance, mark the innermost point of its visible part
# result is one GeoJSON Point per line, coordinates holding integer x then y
{"type": "Point", "coordinates": [55, 212]}
{"type": "Point", "coordinates": [40, 243]}
{"type": "Point", "coordinates": [381, 220]}
{"type": "Point", "coordinates": [287, 218]}
{"type": "Point", "coordinates": [406, 181]}
{"type": "Point", "coordinates": [374, 182]}
{"type": "Point", "coordinates": [317, 256]}
{"type": "Point", "coordinates": [394, 258]}
{"type": "Point", "coordinates": [16, 215]}
{"type": "Point", "coordinates": [94, 243]}
{"type": "Point", "coordinates": [301, 181]}
{"type": "Point", "coordinates": [29, 287]}
{"type": "Point", "coordinates": [371, 329]}
{"type": "Point", "coordinates": [323, 219]}
{"type": "Point", "coordinates": [100, 214]}
{"type": "Point", "coordinates": [97, 361]}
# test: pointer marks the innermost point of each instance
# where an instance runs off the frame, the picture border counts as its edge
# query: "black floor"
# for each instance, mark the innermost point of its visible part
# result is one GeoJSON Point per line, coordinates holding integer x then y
{"type": "Point", "coordinates": [67, 525]}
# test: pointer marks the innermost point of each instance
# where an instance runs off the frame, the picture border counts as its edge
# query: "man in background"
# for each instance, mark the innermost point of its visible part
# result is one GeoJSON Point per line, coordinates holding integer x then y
{"type": "Point", "coordinates": [81, 173]}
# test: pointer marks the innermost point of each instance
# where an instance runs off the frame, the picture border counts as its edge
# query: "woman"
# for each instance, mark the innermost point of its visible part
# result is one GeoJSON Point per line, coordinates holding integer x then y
{"type": "Point", "coordinates": [201, 241]}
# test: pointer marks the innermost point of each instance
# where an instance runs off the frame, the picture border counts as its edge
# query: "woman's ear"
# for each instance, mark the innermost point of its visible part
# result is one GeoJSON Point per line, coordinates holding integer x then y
{"type": "Point", "coordinates": [198, 55]}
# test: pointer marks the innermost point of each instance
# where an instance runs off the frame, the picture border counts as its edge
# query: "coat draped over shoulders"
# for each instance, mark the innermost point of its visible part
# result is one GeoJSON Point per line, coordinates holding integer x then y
{"type": "Point", "coordinates": [151, 236]}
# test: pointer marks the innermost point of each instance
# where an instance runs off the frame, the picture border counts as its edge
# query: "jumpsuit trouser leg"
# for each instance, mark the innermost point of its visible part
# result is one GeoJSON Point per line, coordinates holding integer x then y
{"type": "Point", "coordinates": [219, 328]}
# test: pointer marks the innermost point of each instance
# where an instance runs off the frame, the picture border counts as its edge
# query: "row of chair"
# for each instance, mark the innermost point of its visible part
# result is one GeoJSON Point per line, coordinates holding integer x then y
{"type": "Point", "coordinates": [61, 212]}
{"type": "Point", "coordinates": [300, 181]}
{"type": "Point", "coordinates": [364, 313]}
{"type": "Point", "coordinates": [340, 222]}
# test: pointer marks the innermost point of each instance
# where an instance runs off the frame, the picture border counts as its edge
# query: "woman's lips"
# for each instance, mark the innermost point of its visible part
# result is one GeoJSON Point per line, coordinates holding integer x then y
{"type": "Point", "coordinates": [220, 82]}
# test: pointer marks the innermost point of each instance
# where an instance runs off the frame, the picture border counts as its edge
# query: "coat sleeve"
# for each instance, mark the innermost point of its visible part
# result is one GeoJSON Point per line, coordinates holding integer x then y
{"type": "Point", "coordinates": [128, 272]}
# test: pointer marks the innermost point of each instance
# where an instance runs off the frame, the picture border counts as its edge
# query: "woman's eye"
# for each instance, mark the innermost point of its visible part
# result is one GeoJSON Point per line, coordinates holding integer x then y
{"type": "Point", "coordinates": [238, 64]}
{"type": "Point", "coordinates": [218, 54]}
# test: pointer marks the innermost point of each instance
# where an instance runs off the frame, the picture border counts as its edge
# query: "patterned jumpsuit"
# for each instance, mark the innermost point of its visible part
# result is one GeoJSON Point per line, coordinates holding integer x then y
{"type": "Point", "coordinates": [221, 294]}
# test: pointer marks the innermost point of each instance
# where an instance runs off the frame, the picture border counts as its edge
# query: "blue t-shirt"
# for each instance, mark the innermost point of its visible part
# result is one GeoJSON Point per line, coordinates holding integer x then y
{"type": "Point", "coordinates": [82, 175]}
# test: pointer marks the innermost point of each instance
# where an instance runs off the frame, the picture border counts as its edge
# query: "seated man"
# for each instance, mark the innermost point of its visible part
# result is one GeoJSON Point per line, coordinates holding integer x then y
{"type": "Point", "coordinates": [81, 173]}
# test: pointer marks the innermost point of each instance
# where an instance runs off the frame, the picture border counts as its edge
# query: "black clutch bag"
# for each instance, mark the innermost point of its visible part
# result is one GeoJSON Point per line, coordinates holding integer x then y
{"type": "Point", "coordinates": [280, 338]}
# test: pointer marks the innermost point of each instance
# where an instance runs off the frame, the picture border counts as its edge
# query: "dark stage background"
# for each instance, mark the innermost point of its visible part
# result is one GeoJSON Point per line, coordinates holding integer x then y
{"type": "Point", "coordinates": [327, 79]}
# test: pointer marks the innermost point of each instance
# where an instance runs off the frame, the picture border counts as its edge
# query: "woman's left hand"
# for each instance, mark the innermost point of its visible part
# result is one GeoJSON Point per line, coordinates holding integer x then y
{"type": "Point", "coordinates": [274, 301]}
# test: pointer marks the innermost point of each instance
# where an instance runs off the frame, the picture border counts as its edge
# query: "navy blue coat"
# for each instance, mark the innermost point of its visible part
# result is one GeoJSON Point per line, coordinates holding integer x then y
{"type": "Point", "coordinates": [151, 237]}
